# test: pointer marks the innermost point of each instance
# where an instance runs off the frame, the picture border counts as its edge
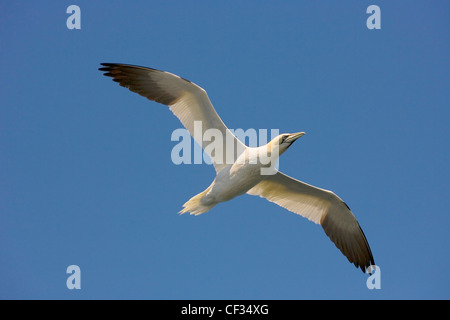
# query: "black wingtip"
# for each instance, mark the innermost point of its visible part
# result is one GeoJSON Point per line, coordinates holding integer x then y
{"type": "Point", "coordinates": [106, 66]}
{"type": "Point", "coordinates": [369, 269]}
{"type": "Point", "coordinates": [371, 259]}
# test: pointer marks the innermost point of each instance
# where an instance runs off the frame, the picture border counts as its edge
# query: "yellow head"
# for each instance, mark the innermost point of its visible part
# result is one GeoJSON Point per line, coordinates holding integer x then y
{"type": "Point", "coordinates": [283, 141]}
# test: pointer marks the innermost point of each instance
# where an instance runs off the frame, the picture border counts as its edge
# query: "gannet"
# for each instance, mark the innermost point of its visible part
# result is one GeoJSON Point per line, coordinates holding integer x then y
{"type": "Point", "coordinates": [190, 103]}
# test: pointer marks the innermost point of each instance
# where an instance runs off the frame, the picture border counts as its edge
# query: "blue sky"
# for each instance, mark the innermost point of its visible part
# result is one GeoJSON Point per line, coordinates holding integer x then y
{"type": "Point", "coordinates": [86, 176]}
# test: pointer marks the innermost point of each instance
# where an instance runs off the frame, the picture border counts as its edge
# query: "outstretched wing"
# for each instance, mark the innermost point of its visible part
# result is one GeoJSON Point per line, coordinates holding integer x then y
{"type": "Point", "coordinates": [188, 102]}
{"type": "Point", "coordinates": [322, 207]}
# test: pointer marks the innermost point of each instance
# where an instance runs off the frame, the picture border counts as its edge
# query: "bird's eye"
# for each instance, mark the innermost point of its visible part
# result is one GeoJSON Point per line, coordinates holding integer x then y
{"type": "Point", "coordinates": [283, 138]}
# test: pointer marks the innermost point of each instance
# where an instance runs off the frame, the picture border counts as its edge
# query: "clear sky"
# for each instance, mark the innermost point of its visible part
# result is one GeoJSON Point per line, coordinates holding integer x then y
{"type": "Point", "coordinates": [86, 176]}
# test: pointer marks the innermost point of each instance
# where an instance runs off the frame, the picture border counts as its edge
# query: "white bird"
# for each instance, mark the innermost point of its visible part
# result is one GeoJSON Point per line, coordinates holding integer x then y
{"type": "Point", "coordinates": [190, 103]}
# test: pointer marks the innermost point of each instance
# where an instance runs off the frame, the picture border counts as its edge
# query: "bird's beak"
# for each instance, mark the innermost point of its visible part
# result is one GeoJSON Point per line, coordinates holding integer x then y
{"type": "Point", "coordinates": [294, 137]}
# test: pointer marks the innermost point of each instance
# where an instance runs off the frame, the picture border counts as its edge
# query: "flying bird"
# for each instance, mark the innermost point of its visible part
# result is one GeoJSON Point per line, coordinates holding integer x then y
{"type": "Point", "coordinates": [243, 174]}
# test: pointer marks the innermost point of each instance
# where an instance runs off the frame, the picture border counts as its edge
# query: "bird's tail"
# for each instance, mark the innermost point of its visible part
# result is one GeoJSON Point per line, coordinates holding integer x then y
{"type": "Point", "coordinates": [195, 204]}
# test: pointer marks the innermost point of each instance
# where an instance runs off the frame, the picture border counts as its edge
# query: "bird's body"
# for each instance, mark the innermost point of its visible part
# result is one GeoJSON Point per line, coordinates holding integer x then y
{"type": "Point", "coordinates": [232, 180]}
{"type": "Point", "coordinates": [241, 169]}
{"type": "Point", "coordinates": [229, 183]}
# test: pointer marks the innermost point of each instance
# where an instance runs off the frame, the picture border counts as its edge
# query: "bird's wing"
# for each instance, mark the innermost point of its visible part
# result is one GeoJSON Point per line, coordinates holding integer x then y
{"type": "Point", "coordinates": [186, 100]}
{"type": "Point", "coordinates": [322, 207]}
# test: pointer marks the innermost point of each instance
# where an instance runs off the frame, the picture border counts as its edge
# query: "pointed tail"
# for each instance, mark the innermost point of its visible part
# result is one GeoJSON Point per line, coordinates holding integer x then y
{"type": "Point", "coordinates": [196, 206]}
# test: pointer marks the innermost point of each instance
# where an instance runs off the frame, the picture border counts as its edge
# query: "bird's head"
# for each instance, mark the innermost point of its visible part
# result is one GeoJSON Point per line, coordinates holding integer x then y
{"type": "Point", "coordinates": [283, 141]}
